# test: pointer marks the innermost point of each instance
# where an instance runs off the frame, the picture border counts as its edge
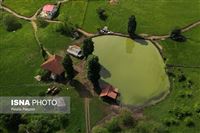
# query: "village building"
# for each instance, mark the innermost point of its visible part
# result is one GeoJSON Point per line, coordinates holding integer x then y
{"type": "Point", "coordinates": [75, 51]}
{"type": "Point", "coordinates": [49, 11]}
{"type": "Point", "coordinates": [54, 65]}
{"type": "Point", "coordinates": [109, 92]}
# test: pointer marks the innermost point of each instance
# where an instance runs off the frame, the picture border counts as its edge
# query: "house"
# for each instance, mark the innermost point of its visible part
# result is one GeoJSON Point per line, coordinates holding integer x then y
{"type": "Point", "coordinates": [110, 92]}
{"type": "Point", "coordinates": [54, 65]}
{"type": "Point", "coordinates": [75, 51]}
{"type": "Point", "coordinates": [49, 11]}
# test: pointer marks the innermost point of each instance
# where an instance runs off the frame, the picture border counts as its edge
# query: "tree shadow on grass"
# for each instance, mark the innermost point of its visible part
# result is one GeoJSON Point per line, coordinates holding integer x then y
{"type": "Point", "coordinates": [81, 89]}
{"type": "Point", "coordinates": [105, 73]}
{"type": "Point", "coordinates": [139, 39]}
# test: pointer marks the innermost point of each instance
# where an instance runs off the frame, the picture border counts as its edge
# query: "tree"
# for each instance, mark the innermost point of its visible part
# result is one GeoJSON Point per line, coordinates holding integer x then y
{"type": "Point", "coordinates": [102, 14]}
{"type": "Point", "coordinates": [189, 122]}
{"type": "Point", "coordinates": [126, 119]}
{"type": "Point", "coordinates": [132, 24]}
{"type": "Point", "coordinates": [177, 36]}
{"type": "Point", "coordinates": [93, 69]}
{"type": "Point", "coordinates": [12, 120]}
{"type": "Point", "coordinates": [87, 47]}
{"type": "Point", "coordinates": [11, 23]}
{"type": "Point", "coordinates": [65, 28]}
{"type": "Point", "coordinates": [68, 65]}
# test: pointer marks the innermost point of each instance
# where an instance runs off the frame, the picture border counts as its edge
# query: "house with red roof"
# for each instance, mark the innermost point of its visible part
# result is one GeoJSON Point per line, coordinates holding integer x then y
{"type": "Point", "coordinates": [110, 92]}
{"type": "Point", "coordinates": [54, 65]}
{"type": "Point", "coordinates": [48, 11]}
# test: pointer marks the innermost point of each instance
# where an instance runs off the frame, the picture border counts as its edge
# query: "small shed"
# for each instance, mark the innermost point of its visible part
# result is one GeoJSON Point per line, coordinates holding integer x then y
{"type": "Point", "coordinates": [75, 51]}
{"type": "Point", "coordinates": [109, 91]}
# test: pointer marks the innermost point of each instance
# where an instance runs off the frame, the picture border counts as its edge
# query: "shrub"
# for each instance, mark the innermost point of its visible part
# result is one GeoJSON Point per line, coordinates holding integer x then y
{"type": "Point", "coordinates": [42, 23]}
{"type": "Point", "coordinates": [171, 122]}
{"type": "Point", "coordinates": [22, 128]}
{"type": "Point", "coordinates": [126, 119]}
{"type": "Point", "coordinates": [102, 14]}
{"type": "Point", "coordinates": [65, 28]}
{"type": "Point", "coordinates": [197, 107]}
{"type": "Point", "coordinates": [189, 122]}
{"type": "Point", "coordinates": [182, 78]}
{"type": "Point", "coordinates": [113, 126]}
{"type": "Point", "coordinates": [99, 129]}
{"type": "Point", "coordinates": [11, 23]}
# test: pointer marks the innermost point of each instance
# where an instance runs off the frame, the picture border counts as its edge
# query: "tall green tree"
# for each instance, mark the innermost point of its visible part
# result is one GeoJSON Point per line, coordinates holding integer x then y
{"type": "Point", "coordinates": [87, 47]}
{"type": "Point", "coordinates": [93, 69]}
{"type": "Point", "coordinates": [11, 23]}
{"type": "Point", "coordinates": [132, 24]}
{"type": "Point", "coordinates": [68, 65]}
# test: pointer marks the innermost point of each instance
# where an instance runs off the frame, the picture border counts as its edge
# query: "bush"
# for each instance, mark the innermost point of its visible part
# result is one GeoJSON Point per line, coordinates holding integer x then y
{"type": "Point", "coordinates": [45, 75]}
{"type": "Point", "coordinates": [11, 23]}
{"type": "Point", "coordinates": [42, 23]}
{"type": "Point", "coordinates": [102, 14]}
{"type": "Point", "coordinates": [22, 128]}
{"type": "Point", "coordinates": [197, 107]}
{"type": "Point", "coordinates": [113, 126]}
{"type": "Point", "coordinates": [189, 122]}
{"type": "Point", "coordinates": [99, 129]}
{"type": "Point", "coordinates": [150, 127]}
{"type": "Point", "coordinates": [65, 28]}
{"type": "Point", "coordinates": [126, 119]}
{"type": "Point", "coordinates": [171, 122]}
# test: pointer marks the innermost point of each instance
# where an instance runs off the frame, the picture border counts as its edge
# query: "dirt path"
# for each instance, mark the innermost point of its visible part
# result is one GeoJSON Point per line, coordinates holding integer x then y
{"type": "Point", "coordinates": [87, 114]}
{"type": "Point", "coordinates": [14, 13]}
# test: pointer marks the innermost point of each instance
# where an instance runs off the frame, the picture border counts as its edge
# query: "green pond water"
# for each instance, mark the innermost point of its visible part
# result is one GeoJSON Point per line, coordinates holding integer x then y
{"type": "Point", "coordinates": [135, 68]}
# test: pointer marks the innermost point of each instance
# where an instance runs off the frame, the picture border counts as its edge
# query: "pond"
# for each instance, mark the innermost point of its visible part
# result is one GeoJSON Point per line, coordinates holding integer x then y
{"type": "Point", "coordinates": [136, 68]}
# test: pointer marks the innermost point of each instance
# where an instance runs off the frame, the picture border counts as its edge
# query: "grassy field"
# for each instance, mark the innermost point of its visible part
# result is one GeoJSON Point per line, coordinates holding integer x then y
{"type": "Point", "coordinates": [153, 16]}
{"type": "Point", "coordinates": [126, 64]}
{"type": "Point", "coordinates": [74, 11]}
{"type": "Point", "coordinates": [52, 40]}
{"type": "Point", "coordinates": [26, 7]}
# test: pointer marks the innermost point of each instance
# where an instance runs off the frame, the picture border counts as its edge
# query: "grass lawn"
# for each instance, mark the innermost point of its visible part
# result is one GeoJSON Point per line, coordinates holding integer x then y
{"type": "Point", "coordinates": [26, 7]}
{"type": "Point", "coordinates": [98, 110]}
{"type": "Point", "coordinates": [137, 70]}
{"type": "Point", "coordinates": [74, 11]}
{"type": "Point", "coordinates": [153, 16]}
{"type": "Point", "coordinates": [52, 40]}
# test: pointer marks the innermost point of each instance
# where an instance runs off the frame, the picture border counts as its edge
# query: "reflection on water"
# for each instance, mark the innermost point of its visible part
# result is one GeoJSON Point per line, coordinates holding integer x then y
{"type": "Point", "coordinates": [129, 46]}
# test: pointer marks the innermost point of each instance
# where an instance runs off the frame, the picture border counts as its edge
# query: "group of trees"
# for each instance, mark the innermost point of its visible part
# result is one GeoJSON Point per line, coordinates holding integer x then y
{"type": "Point", "coordinates": [11, 23]}
{"type": "Point", "coordinates": [40, 123]}
{"type": "Point", "coordinates": [66, 28]}
{"type": "Point", "coordinates": [117, 124]}
{"type": "Point", "coordinates": [93, 65]}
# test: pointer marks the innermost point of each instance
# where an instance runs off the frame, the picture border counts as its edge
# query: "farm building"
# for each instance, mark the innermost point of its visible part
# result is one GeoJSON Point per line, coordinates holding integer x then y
{"type": "Point", "coordinates": [109, 91]}
{"type": "Point", "coordinates": [49, 11]}
{"type": "Point", "coordinates": [54, 65]}
{"type": "Point", "coordinates": [75, 50]}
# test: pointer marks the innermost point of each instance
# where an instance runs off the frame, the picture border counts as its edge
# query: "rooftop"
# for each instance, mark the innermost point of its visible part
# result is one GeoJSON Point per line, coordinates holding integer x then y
{"type": "Point", "coordinates": [54, 64]}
